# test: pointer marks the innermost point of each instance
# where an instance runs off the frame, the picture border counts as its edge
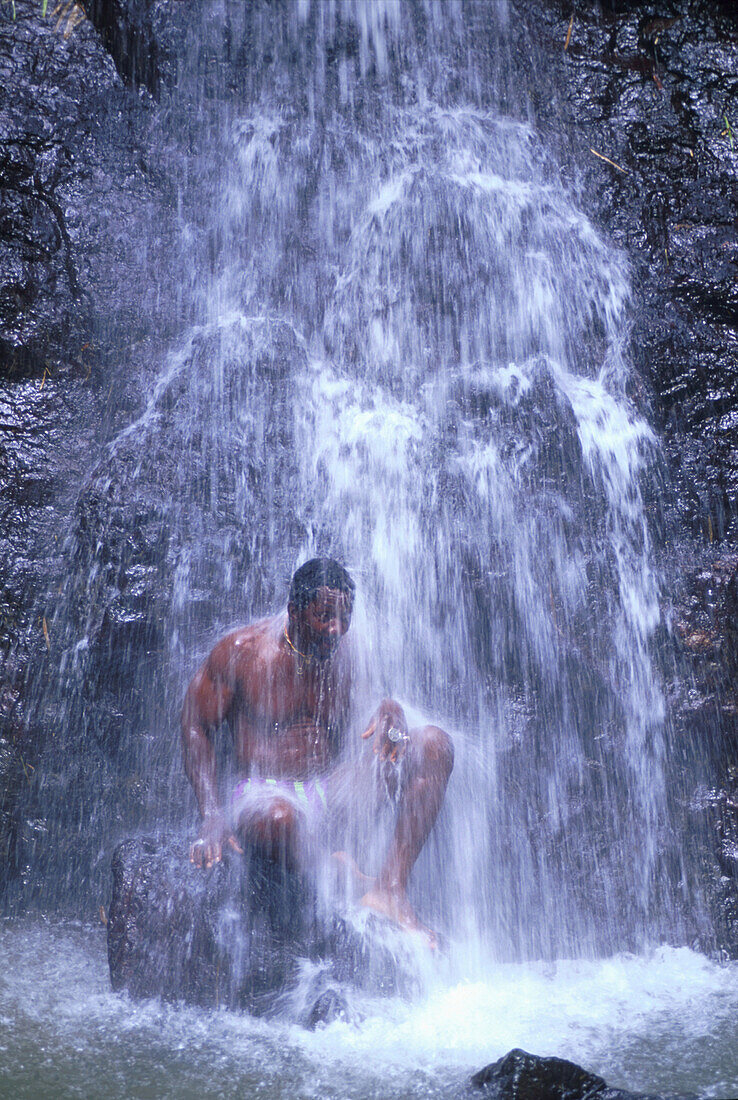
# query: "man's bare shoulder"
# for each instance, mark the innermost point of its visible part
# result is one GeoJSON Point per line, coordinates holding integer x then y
{"type": "Point", "coordinates": [256, 643]}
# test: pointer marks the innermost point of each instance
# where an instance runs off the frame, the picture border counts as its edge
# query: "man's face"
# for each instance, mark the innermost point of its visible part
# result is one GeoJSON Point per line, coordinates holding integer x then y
{"type": "Point", "coordinates": [323, 622]}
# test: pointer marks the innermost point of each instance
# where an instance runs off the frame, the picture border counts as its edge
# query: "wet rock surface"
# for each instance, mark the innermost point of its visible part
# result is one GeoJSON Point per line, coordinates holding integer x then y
{"type": "Point", "coordinates": [236, 935]}
{"type": "Point", "coordinates": [705, 705]}
{"type": "Point", "coordinates": [139, 529]}
{"type": "Point", "coordinates": [145, 38]}
{"type": "Point", "coordinates": [523, 1076]}
{"type": "Point", "coordinates": [229, 936]}
{"type": "Point", "coordinates": [654, 89]}
{"type": "Point", "coordinates": [76, 171]}
{"type": "Point", "coordinates": [142, 526]}
{"type": "Point", "coordinates": [60, 101]}
{"type": "Point", "coordinates": [87, 215]}
{"type": "Point", "coordinates": [329, 1006]}
{"type": "Point", "coordinates": [640, 102]}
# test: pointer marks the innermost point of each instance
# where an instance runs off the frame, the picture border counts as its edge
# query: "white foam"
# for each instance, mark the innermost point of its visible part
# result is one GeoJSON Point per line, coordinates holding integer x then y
{"type": "Point", "coordinates": [665, 1021]}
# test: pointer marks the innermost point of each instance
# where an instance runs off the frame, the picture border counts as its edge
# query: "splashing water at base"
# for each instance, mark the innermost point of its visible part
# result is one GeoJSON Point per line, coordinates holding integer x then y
{"type": "Point", "coordinates": [656, 1023]}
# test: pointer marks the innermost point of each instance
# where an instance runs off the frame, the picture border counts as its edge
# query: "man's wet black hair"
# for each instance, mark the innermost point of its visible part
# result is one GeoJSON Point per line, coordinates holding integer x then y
{"type": "Point", "coordinates": [318, 573]}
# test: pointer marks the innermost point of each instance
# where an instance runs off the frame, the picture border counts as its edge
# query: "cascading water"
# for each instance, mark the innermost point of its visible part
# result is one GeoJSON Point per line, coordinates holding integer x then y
{"type": "Point", "coordinates": [474, 453]}
{"type": "Point", "coordinates": [410, 353]}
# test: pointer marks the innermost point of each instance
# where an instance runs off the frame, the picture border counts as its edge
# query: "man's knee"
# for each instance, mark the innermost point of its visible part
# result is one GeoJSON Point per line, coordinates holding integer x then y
{"type": "Point", "coordinates": [275, 825]}
{"type": "Point", "coordinates": [282, 815]}
{"type": "Point", "coordinates": [435, 751]}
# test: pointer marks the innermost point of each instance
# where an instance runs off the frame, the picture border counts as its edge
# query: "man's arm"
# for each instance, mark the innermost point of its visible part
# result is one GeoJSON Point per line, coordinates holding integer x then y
{"type": "Point", "coordinates": [207, 702]}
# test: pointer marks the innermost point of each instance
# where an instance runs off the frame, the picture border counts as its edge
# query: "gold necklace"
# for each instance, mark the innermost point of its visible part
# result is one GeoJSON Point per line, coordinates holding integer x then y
{"type": "Point", "coordinates": [305, 657]}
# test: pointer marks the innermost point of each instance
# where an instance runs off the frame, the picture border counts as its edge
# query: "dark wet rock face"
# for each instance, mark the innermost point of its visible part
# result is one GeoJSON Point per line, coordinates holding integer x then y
{"type": "Point", "coordinates": [523, 1076]}
{"type": "Point", "coordinates": [89, 184]}
{"type": "Point", "coordinates": [142, 36]}
{"type": "Point", "coordinates": [139, 530]}
{"type": "Point", "coordinates": [706, 727]}
{"type": "Point", "coordinates": [654, 88]}
{"type": "Point", "coordinates": [38, 258]}
{"type": "Point", "coordinates": [142, 524]}
{"type": "Point", "coordinates": [72, 176]}
{"type": "Point", "coordinates": [78, 304]}
{"type": "Point", "coordinates": [54, 126]}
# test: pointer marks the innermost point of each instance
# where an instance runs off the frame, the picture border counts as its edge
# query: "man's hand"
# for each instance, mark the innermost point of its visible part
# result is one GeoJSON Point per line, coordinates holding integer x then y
{"type": "Point", "coordinates": [390, 726]}
{"type": "Point", "coordinates": [208, 848]}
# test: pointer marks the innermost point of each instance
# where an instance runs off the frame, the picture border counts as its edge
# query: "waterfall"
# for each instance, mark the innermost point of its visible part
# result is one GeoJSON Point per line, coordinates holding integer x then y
{"type": "Point", "coordinates": [396, 339]}
{"type": "Point", "coordinates": [463, 438]}
{"type": "Point", "coordinates": [410, 352]}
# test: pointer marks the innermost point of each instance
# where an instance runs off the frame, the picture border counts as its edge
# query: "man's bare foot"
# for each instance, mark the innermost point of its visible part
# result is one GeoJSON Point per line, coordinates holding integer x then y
{"type": "Point", "coordinates": [393, 905]}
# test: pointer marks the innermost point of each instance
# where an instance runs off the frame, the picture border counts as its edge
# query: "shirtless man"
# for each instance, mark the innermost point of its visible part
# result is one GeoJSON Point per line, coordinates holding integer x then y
{"type": "Point", "coordinates": [284, 685]}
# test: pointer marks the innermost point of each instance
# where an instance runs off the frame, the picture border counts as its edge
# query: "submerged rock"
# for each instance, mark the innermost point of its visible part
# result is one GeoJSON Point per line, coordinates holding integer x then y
{"type": "Point", "coordinates": [523, 1076]}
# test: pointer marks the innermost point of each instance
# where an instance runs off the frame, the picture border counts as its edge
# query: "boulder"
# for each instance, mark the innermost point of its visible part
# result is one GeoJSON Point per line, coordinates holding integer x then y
{"type": "Point", "coordinates": [236, 935]}
{"type": "Point", "coordinates": [229, 936]}
{"type": "Point", "coordinates": [523, 1076]}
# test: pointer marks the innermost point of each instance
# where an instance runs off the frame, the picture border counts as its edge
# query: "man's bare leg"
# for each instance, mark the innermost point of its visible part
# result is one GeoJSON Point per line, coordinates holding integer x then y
{"type": "Point", "coordinates": [430, 759]}
{"type": "Point", "coordinates": [350, 874]}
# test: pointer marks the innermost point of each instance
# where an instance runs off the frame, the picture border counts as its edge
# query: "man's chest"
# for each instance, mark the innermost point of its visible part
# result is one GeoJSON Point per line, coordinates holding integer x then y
{"type": "Point", "coordinates": [290, 696]}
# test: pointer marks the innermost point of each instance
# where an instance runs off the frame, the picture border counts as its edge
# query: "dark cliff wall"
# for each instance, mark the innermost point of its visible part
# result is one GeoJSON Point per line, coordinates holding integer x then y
{"type": "Point", "coordinates": [640, 100]}
{"type": "Point", "coordinates": [78, 301]}
{"type": "Point", "coordinates": [653, 87]}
